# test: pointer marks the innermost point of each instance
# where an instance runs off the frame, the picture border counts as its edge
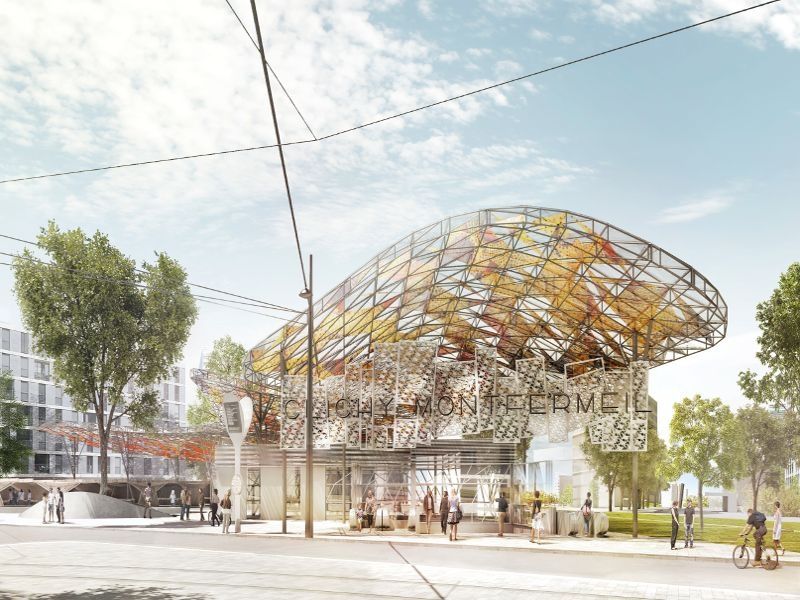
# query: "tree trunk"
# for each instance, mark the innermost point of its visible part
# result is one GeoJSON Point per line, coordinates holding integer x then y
{"type": "Point", "coordinates": [103, 459]}
{"type": "Point", "coordinates": [610, 498]}
{"type": "Point", "coordinates": [754, 483]}
{"type": "Point", "coordinates": [700, 500]}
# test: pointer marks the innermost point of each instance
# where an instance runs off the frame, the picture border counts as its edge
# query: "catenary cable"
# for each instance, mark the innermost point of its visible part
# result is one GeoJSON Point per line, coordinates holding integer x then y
{"type": "Point", "coordinates": [262, 52]}
{"type": "Point", "coordinates": [261, 303]}
{"type": "Point", "coordinates": [390, 117]}
{"type": "Point", "coordinates": [274, 74]}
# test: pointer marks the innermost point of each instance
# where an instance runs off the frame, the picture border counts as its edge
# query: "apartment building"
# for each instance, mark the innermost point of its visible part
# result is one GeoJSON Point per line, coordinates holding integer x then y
{"type": "Point", "coordinates": [44, 400]}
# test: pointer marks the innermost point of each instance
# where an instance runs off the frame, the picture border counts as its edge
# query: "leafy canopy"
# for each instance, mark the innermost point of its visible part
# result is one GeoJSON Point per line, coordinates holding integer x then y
{"type": "Point", "coordinates": [104, 322]}
{"type": "Point", "coordinates": [779, 347]}
{"type": "Point", "coordinates": [225, 363]}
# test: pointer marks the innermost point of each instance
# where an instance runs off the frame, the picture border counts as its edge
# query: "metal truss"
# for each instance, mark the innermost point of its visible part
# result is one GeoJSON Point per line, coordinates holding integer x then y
{"type": "Point", "coordinates": [530, 282]}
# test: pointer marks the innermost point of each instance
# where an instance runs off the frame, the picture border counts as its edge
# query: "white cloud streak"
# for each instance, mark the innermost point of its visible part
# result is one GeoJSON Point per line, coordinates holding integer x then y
{"type": "Point", "coordinates": [692, 211]}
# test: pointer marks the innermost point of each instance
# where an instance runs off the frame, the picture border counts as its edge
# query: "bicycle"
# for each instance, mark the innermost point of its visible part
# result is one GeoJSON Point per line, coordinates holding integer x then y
{"type": "Point", "coordinates": [741, 556]}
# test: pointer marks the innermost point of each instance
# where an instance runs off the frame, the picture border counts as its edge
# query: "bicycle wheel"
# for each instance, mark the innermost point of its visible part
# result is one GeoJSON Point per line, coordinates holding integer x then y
{"type": "Point", "coordinates": [741, 556]}
{"type": "Point", "coordinates": [769, 558]}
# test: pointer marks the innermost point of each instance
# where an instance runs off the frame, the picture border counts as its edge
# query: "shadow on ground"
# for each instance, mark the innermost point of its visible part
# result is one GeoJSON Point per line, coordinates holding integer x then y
{"type": "Point", "coordinates": [100, 593]}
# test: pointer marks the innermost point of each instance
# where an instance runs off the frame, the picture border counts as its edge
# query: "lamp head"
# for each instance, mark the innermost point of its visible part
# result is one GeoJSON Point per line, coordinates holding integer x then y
{"type": "Point", "coordinates": [305, 294]}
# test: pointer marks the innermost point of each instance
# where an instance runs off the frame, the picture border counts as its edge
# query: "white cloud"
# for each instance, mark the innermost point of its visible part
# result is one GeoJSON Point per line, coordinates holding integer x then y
{"type": "Point", "coordinates": [566, 39]}
{"type": "Point", "coordinates": [478, 52]}
{"type": "Point", "coordinates": [513, 8]}
{"type": "Point", "coordinates": [539, 35]}
{"type": "Point", "coordinates": [448, 57]}
{"type": "Point", "coordinates": [425, 8]}
{"type": "Point", "coordinates": [692, 211]}
{"type": "Point", "coordinates": [779, 21]}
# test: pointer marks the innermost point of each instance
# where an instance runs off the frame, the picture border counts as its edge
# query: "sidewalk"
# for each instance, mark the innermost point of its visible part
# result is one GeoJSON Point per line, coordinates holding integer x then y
{"type": "Point", "coordinates": [618, 545]}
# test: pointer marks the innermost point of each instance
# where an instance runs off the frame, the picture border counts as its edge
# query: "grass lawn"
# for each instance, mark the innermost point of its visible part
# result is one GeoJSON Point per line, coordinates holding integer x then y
{"type": "Point", "coordinates": [716, 530]}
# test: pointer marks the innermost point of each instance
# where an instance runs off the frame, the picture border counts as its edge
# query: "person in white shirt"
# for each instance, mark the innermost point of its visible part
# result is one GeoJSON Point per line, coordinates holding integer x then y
{"type": "Point", "coordinates": [51, 506]}
{"type": "Point", "coordinates": [776, 529]}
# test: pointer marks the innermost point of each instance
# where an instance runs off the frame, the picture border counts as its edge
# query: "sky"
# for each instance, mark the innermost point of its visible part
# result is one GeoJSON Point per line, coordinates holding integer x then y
{"type": "Point", "coordinates": [690, 141]}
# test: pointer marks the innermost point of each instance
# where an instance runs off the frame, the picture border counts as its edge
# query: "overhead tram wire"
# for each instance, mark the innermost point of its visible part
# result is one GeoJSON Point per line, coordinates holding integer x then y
{"type": "Point", "coordinates": [278, 139]}
{"type": "Point", "coordinates": [271, 70]}
{"type": "Point", "coordinates": [199, 298]}
{"type": "Point", "coordinates": [397, 115]}
{"type": "Point", "coordinates": [261, 303]}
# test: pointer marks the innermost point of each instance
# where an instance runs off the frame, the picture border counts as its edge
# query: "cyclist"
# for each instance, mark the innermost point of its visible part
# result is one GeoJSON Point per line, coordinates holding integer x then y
{"type": "Point", "coordinates": [758, 521]}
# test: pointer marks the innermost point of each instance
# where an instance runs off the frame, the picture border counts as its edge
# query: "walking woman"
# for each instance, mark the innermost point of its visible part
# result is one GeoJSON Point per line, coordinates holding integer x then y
{"type": "Point", "coordinates": [444, 511]}
{"type": "Point", "coordinates": [51, 506]}
{"type": "Point", "coordinates": [776, 529]}
{"type": "Point", "coordinates": [226, 512]}
{"type": "Point", "coordinates": [45, 505]}
{"type": "Point", "coordinates": [454, 516]}
{"type": "Point", "coordinates": [370, 504]}
{"type": "Point", "coordinates": [538, 525]}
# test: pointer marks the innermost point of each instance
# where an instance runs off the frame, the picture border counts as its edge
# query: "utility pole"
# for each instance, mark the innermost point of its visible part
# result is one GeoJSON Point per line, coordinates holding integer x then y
{"type": "Point", "coordinates": [308, 294]}
{"type": "Point", "coordinates": [635, 460]}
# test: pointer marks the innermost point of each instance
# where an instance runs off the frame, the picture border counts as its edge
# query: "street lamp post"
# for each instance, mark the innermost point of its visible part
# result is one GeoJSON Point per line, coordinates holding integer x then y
{"type": "Point", "coordinates": [238, 415]}
{"type": "Point", "coordinates": [308, 294]}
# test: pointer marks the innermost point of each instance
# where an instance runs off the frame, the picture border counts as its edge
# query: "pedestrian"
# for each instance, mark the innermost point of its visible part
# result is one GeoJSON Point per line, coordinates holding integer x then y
{"type": "Point", "coordinates": [186, 501]}
{"type": "Point", "coordinates": [214, 508]}
{"type": "Point", "coordinates": [226, 512]}
{"type": "Point", "coordinates": [370, 506]}
{"type": "Point", "coordinates": [51, 506]}
{"type": "Point", "coordinates": [586, 511]}
{"type": "Point", "coordinates": [675, 523]}
{"type": "Point", "coordinates": [148, 501]}
{"type": "Point", "coordinates": [502, 510]}
{"type": "Point", "coordinates": [27, 497]}
{"type": "Point", "coordinates": [776, 529]}
{"type": "Point", "coordinates": [172, 498]}
{"type": "Point", "coordinates": [537, 521]}
{"type": "Point", "coordinates": [201, 502]}
{"type": "Point", "coordinates": [444, 511]}
{"type": "Point", "coordinates": [454, 516]}
{"type": "Point", "coordinates": [45, 504]}
{"type": "Point", "coordinates": [758, 521]}
{"type": "Point", "coordinates": [688, 525]}
{"type": "Point", "coordinates": [60, 505]}
{"type": "Point", "coordinates": [427, 506]}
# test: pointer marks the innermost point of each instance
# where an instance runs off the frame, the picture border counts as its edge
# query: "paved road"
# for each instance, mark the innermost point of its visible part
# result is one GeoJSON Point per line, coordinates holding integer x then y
{"type": "Point", "coordinates": [47, 562]}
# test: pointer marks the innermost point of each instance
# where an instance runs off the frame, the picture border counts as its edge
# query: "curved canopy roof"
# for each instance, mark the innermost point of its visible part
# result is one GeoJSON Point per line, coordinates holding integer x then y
{"type": "Point", "coordinates": [528, 281]}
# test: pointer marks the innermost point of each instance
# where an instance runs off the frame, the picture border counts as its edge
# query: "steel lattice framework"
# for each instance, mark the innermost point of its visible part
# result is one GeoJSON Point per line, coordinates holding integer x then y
{"type": "Point", "coordinates": [530, 282]}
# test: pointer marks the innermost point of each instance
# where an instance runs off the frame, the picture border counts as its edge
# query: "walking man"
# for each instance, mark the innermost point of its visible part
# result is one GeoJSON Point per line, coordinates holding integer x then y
{"type": "Point", "coordinates": [444, 510]}
{"type": "Point", "coordinates": [675, 524]}
{"type": "Point", "coordinates": [688, 524]}
{"type": "Point", "coordinates": [186, 501]}
{"type": "Point", "coordinates": [201, 502]}
{"type": "Point", "coordinates": [148, 501]}
{"type": "Point", "coordinates": [60, 500]}
{"type": "Point", "coordinates": [214, 508]}
{"type": "Point", "coordinates": [427, 506]}
{"type": "Point", "coordinates": [502, 510]}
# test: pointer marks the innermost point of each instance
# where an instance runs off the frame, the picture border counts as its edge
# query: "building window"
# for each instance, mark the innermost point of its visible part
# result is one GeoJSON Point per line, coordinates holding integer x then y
{"type": "Point", "coordinates": [59, 396]}
{"type": "Point", "coordinates": [23, 391]}
{"type": "Point", "coordinates": [28, 415]}
{"type": "Point", "coordinates": [23, 367]}
{"type": "Point", "coordinates": [166, 392]}
{"type": "Point", "coordinates": [25, 343]}
{"type": "Point", "coordinates": [41, 463]}
{"type": "Point", "coordinates": [41, 370]}
{"type": "Point", "coordinates": [5, 362]}
{"type": "Point", "coordinates": [59, 415]}
{"type": "Point", "coordinates": [117, 465]}
{"type": "Point", "coordinates": [42, 393]}
{"type": "Point", "coordinates": [147, 466]}
{"type": "Point", "coordinates": [42, 414]}
{"type": "Point", "coordinates": [59, 466]}
{"type": "Point", "coordinates": [5, 339]}
{"type": "Point", "coordinates": [90, 464]}
{"type": "Point", "coordinates": [42, 440]}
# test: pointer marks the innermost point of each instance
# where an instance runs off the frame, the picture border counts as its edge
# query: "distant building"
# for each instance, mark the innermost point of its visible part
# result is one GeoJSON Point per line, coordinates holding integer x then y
{"type": "Point", "coordinates": [45, 401]}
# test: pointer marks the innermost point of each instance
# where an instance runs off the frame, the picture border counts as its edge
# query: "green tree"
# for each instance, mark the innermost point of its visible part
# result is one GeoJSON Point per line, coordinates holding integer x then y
{"type": "Point", "coordinates": [779, 347]}
{"type": "Point", "coordinates": [612, 468]}
{"type": "Point", "coordinates": [105, 323]}
{"type": "Point", "coordinates": [13, 451]}
{"type": "Point", "coordinates": [765, 446]}
{"type": "Point", "coordinates": [225, 366]}
{"type": "Point", "coordinates": [703, 438]}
